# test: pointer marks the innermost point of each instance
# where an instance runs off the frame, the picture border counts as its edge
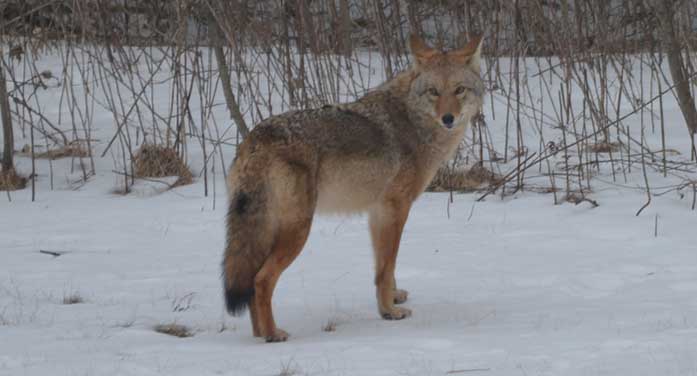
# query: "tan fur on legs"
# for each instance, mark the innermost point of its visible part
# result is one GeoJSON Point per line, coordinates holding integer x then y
{"type": "Point", "coordinates": [293, 190]}
{"type": "Point", "coordinates": [400, 296]}
{"type": "Point", "coordinates": [386, 225]}
{"type": "Point", "coordinates": [374, 155]}
{"type": "Point", "coordinates": [253, 317]}
{"type": "Point", "coordinates": [288, 245]}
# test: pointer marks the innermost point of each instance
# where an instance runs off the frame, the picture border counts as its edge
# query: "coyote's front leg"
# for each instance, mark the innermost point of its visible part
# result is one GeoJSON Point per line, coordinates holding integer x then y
{"type": "Point", "coordinates": [386, 224]}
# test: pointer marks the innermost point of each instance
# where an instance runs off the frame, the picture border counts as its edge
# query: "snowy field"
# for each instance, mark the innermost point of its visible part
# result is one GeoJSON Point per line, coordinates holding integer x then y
{"type": "Point", "coordinates": [514, 286]}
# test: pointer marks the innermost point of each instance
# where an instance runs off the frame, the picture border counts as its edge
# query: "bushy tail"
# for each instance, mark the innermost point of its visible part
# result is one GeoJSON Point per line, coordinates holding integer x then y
{"type": "Point", "coordinates": [248, 245]}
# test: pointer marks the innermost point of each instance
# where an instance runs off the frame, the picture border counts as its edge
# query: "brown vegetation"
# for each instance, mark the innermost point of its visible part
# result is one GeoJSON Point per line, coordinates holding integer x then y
{"type": "Point", "coordinates": [11, 181]}
{"type": "Point", "coordinates": [160, 161]}
{"type": "Point", "coordinates": [462, 180]}
{"type": "Point", "coordinates": [73, 149]}
{"type": "Point", "coordinates": [605, 147]}
{"type": "Point", "coordinates": [278, 56]}
{"type": "Point", "coordinates": [73, 298]}
{"type": "Point", "coordinates": [174, 329]}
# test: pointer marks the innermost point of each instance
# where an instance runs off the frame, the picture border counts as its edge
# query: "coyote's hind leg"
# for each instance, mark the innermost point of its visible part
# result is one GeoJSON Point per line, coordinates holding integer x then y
{"type": "Point", "coordinates": [295, 198]}
{"type": "Point", "coordinates": [288, 245]}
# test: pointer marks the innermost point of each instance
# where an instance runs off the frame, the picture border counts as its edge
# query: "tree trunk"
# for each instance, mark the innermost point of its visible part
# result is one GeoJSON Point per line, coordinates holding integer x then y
{"type": "Point", "coordinates": [8, 148]}
{"type": "Point", "coordinates": [669, 36]}
{"type": "Point", "coordinates": [345, 28]}
{"type": "Point", "coordinates": [413, 16]}
{"type": "Point", "coordinates": [224, 72]}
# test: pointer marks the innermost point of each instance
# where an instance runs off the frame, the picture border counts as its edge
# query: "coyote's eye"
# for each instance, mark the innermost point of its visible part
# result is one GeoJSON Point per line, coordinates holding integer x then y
{"type": "Point", "coordinates": [460, 89]}
{"type": "Point", "coordinates": [433, 92]}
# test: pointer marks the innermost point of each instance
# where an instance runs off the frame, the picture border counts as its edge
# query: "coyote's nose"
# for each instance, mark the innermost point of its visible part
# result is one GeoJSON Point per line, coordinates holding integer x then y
{"type": "Point", "coordinates": [448, 120]}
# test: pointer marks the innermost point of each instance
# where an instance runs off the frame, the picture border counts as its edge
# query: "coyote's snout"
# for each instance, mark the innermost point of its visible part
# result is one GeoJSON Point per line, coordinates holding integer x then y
{"type": "Point", "coordinates": [375, 155]}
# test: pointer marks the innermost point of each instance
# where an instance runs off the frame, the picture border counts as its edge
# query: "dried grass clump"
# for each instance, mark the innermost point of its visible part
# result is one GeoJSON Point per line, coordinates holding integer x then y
{"type": "Point", "coordinates": [156, 161]}
{"type": "Point", "coordinates": [476, 178]}
{"type": "Point", "coordinates": [73, 149]}
{"type": "Point", "coordinates": [11, 181]}
{"type": "Point", "coordinates": [174, 329]}
{"type": "Point", "coordinates": [330, 326]}
{"type": "Point", "coordinates": [605, 147]}
{"type": "Point", "coordinates": [73, 298]}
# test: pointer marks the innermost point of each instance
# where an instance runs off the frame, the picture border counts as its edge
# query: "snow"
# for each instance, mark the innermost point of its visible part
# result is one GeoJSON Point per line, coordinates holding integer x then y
{"type": "Point", "coordinates": [513, 286]}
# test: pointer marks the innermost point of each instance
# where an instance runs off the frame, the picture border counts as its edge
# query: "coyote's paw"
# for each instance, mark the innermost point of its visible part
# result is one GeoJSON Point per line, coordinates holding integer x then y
{"type": "Point", "coordinates": [400, 296]}
{"type": "Point", "coordinates": [397, 313]}
{"type": "Point", "coordinates": [279, 335]}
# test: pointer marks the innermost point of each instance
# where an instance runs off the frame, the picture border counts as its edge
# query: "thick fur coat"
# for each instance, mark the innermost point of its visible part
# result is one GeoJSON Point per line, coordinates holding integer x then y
{"type": "Point", "coordinates": [375, 155]}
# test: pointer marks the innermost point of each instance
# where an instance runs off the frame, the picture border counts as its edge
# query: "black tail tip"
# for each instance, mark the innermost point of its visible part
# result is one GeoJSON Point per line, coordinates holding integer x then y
{"type": "Point", "coordinates": [236, 301]}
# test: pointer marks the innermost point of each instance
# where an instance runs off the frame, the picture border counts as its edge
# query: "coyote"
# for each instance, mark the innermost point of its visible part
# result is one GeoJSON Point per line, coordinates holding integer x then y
{"type": "Point", "coordinates": [375, 155]}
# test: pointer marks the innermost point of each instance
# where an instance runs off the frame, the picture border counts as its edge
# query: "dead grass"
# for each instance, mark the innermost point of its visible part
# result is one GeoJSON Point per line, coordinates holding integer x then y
{"type": "Point", "coordinates": [605, 147]}
{"type": "Point", "coordinates": [174, 329]}
{"type": "Point", "coordinates": [11, 181]}
{"type": "Point", "coordinates": [289, 368]}
{"type": "Point", "coordinates": [74, 149]}
{"type": "Point", "coordinates": [460, 180]}
{"type": "Point", "coordinates": [577, 198]}
{"type": "Point", "coordinates": [223, 327]}
{"type": "Point", "coordinates": [156, 161]}
{"type": "Point", "coordinates": [330, 326]}
{"type": "Point", "coordinates": [73, 298]}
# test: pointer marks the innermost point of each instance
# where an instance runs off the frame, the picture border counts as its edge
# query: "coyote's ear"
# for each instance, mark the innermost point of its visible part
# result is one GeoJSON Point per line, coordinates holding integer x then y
{"type": "Point", "coordinates": [420, 50]}
{"type": "Point", "coordinates": [470, 54]}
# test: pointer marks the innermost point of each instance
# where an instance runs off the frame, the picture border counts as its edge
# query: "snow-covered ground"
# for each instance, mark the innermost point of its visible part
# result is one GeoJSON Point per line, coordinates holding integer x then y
{"type": "Point", "coordinates": [517, 286]}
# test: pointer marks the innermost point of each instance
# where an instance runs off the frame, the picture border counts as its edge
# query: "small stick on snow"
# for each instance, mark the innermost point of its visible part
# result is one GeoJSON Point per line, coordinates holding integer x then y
{"type": "Point", "coordinates": [467, 370]}
{"type": "Point", "coordinates": [52, 253]}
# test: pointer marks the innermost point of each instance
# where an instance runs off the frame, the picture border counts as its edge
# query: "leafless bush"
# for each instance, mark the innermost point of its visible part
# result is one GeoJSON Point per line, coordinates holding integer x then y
{"type": "Point", "coordinates": [581, 76]}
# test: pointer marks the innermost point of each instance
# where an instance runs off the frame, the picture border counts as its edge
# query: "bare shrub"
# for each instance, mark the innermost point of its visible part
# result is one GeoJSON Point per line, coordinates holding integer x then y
{"type": "Point", "coordinates": [273, 56]}
{"type": "Point", "coordinates": [11, 181]}
{"type": "Point", "coordinates": [174, 329]}
{"type": "Point", "coordinates": [462, 180]}
{"type": "Point", "coordinates": [160, 161]}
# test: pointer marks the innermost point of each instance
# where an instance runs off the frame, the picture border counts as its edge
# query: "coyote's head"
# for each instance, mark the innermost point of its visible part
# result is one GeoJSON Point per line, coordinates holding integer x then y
{"type": "Point", "coordinates": [447, 86]}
